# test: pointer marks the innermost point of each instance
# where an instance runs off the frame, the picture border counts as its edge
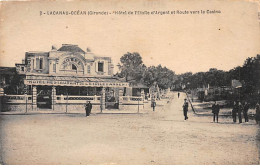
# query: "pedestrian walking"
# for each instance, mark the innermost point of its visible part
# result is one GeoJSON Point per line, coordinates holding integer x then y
{"type": "Point", "coordinates": [178, 94]}
{"type": "Point", "coordinates": [88, 107]}
{"type": "Point", "coordinates": [153, 104]}
{"type": "Point", "coordinates": [185, 109]}
{"type": "Point", "coordinates": [239, 111]}
{"type": "Point", "coordinates": [257, 113]}
{"type": "Point", "coordinates": [245, 110]}
{"type": "Point", "coordinates": [215, 111]}
{"type": "Point", "coordinates": [234, 112]}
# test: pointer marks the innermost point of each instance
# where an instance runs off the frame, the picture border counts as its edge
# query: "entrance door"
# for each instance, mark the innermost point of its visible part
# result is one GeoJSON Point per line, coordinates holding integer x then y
{"type": "Point", "coordinates": [44, 97]}
{"type": "Point", "coordinates": [110, 98]}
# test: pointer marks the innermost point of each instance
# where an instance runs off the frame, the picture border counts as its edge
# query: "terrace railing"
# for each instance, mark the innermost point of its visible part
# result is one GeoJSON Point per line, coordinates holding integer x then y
{"type": "Point", "coordinates": [132, 100]}
{"type": "Point", "coordinates": [18, 99]}
{"type": "Point", "coordinates": [77, 99]}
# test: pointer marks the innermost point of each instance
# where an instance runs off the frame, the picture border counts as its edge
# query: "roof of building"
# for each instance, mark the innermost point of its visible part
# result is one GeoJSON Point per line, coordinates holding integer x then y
{"type": "Point", "coordinates": [37, 53]}
{"type": "Point", "coordinates": [7, 70]}
{"type": "Point", "coordinates": [71, 48]}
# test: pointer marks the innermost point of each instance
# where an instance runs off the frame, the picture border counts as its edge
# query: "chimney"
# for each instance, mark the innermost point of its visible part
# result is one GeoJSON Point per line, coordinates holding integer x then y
{"type": "Point", "coordinates": [88, 50]}
{"type": "Point", "coordinates": [54, 48]}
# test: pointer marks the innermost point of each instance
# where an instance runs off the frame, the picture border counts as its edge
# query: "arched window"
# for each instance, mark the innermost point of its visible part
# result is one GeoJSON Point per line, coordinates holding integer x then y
{"type": "Point", "coordinates": [73, 67]}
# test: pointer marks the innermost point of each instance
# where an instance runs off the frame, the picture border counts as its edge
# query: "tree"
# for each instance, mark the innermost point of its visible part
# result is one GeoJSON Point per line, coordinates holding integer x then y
{"type": "Point", "coordinates": [131, 67]}
{"type": "Point", "coordinates": [16, 85]}
{"type": "Point", "coordinates": [161, 76]}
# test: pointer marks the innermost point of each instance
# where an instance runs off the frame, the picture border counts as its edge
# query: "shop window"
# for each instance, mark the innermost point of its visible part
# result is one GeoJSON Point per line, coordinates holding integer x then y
{"type": "Point", "coordinates": [100, 67]}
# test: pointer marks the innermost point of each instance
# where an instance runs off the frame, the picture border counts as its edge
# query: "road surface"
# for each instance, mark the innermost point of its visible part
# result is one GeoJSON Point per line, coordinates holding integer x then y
{"type": "Point", "coordinates": [160, 137]}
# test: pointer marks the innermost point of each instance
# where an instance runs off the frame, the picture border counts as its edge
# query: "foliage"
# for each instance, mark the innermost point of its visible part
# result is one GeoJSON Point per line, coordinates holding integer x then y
{"type": "Point", "coordinates": [248, 75]}
{"type": "Point", "coordinates": [161, 76]}
{"type": "Point", "coordinates": [133, 70]}
{"type": "Point", "coordinates": [131, 66]}
{"type": "Point", "coordinates": [16, 85]}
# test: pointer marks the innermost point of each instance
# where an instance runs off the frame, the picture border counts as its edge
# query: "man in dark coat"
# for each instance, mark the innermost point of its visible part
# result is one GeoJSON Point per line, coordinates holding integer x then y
{"type": "Point", "coordinates": [215, 111]}
{"type": "Point", "coordinates": [153, 104]}
{"type": "Point", "coordinates": [88, 108]}
{"type": "Point", "coordinates": [234, 112]}
{"type": "Point", "coordinates": [185, 109]}
{"type": "Point", "coordinates": [239, 111]}
{"type": "Point", "coordinates": [245, 110]}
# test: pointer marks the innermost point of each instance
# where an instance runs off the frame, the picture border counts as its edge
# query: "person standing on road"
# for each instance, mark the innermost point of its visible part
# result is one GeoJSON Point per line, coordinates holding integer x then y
{"type": "Point", "coordinates": [257, 113]}
{"type": "Point", "coordinates": [239, 111]}
{"type": "Point", "coordinates": [234, 112]}
{"type": "Point", "coordinates": [215, 111]}
{"type": "Point", "coordinates": [88, 107]}
{"type": "Point", "coordinates": [178, 94]}
{"type": "Point", "coordinates": [153, 104]}
{"type": "Point", "coordinates": [185, 109]}
{"type": "Point", "coordinates": [245, 110]}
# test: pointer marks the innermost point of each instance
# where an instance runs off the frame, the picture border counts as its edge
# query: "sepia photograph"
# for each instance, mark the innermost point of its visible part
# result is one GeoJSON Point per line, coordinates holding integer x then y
{"type": "Point", "coordinates": [142, 82]}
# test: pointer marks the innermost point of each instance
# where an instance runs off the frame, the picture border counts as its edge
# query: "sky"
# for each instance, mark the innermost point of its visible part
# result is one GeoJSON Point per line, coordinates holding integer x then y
{"type": "Point", "coordinates": [181, 42]}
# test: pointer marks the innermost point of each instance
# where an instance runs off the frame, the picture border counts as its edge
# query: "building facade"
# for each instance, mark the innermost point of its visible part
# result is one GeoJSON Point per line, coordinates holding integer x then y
{"type": "Point", "coordinates": [69, 75]}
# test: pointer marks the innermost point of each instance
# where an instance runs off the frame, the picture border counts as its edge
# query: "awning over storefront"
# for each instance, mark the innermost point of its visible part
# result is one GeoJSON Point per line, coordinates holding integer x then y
{"type": "Point", "coordinates": [74, 81]}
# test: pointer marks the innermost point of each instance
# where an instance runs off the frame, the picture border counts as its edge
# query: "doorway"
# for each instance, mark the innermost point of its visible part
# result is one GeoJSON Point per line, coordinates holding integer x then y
{"type": "Point", "coordinates": [44, 98]}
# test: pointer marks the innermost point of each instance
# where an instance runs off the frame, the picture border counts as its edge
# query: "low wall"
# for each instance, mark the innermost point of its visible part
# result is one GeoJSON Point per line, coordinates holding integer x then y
{"type": "Point", "coordinates": [16, 103]}
{"type": "Point", "coordinates": [76, 108]}
{"type": "Point", "coordinates": [71, 104]}
{"type": "Point", "coordinates": [16, 107]}
{"type": "Point", "coordinates": [132, 108]}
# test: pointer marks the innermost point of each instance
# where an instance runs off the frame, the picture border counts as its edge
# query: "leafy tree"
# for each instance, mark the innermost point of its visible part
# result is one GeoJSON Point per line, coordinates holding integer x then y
{"type": "Point", "coordinates": [131, 67]}
{"type": "Point", "coordinates": [161, 76]}
{"type": "Point", "coordinates": [133, 70]}
{"type": "Point", "coordinates": [16, 85]}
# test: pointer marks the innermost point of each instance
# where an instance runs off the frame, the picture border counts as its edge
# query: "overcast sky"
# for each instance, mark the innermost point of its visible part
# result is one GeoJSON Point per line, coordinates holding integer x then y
{"type": "Point", "coordinates": [181, 42]}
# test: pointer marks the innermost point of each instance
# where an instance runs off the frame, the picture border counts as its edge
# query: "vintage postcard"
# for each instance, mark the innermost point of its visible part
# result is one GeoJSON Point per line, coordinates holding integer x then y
{"type": "Point", "coordinates": [142, 82]}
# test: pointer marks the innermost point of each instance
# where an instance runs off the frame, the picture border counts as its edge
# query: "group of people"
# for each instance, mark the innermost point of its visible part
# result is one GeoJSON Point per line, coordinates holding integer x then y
{"type": "Point", "coordinates": [237, 110]}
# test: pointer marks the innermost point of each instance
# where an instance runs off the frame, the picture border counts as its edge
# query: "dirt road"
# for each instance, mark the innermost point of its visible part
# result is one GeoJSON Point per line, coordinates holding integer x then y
{"type": "Point", "coordinates": [160, 137]}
